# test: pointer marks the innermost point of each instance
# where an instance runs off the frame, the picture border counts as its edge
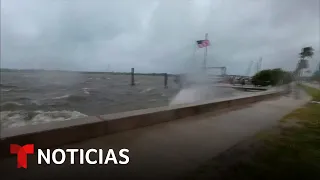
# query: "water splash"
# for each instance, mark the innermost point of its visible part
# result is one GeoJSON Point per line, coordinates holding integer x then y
{"type": "Point", "coordinates": [196, 87]}
{"type": "Point", "coordinates": [191, 95]}
{"type": "Point", "coordinates": [10, 119]}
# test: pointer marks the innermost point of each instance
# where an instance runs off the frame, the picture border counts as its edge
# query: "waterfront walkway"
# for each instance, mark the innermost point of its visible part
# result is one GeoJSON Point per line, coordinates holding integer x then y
{"type": "Point", "coordinates": [168, 150]}
{"type": "Point", "coordinates": [242, 87]}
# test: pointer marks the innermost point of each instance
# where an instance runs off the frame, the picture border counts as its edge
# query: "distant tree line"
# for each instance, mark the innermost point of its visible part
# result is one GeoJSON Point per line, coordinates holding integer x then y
{"type": "Point", "coordinates": [278, 76]}
{"type": "Point", "coordinates": [272, 77]}
{"type": "Point", "coordinates": [83, 72]}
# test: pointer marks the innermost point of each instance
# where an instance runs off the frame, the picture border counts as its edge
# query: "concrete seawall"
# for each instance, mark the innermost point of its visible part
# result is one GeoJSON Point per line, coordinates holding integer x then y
{"type": "Point", "coordinates": [56, 134]}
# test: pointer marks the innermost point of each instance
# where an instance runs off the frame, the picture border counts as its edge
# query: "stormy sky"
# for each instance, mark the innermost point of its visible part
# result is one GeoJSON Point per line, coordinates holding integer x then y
{"type": "Point", "coordinates": [156, 35]}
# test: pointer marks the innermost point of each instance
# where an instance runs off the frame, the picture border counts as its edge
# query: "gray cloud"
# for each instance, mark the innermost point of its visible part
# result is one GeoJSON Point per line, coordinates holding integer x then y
{"type": "Point", "coordinates": [156, 35]}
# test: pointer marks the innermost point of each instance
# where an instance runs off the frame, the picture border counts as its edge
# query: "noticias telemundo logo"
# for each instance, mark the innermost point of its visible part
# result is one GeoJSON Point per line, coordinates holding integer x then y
{"type": "Point", "coordinates": [59, 156]}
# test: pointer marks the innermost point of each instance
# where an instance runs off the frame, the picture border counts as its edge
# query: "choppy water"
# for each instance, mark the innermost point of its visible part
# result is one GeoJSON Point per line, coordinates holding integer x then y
{"type": "Point", "coordinates": [36, 97]}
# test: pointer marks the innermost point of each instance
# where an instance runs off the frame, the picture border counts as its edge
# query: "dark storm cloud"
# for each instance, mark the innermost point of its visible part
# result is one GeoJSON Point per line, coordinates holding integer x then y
{"type": "Point", "coordinates": [155, 35]}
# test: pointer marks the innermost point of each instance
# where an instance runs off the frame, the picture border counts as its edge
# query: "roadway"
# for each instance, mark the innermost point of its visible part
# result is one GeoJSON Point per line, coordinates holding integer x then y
{"type": "Point", "coordinates": [168, 150]}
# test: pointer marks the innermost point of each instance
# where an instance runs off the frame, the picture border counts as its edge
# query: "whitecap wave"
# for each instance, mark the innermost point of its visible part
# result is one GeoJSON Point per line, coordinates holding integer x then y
{"type": "Point", "coordinates": [10, 119]}
{"type": "Point", "coordinates": [61, 97]}
{"type": "Point", "coordinates": [68, 97]}
{"type": "Point", "coordinates": [6, 90]}
{"type": "Point", "coordinates": [7, 86]}
{"type": "Point", "coordinates": [147, 90]}
{"type": "Point", "coordinates": [86, 90]}
{"type": "Point", "coordinates": [7, 106]}
{"type": "Point", "coordinates": [11, 103]}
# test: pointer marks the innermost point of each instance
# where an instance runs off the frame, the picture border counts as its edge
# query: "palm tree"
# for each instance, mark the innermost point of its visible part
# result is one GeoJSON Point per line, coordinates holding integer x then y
{"type": "Point", "coordinates": [306, 52]}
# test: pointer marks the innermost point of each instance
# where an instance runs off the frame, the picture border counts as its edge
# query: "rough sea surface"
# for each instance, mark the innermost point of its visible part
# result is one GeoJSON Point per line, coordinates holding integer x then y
{"type": "Point", "coordinates": [38, 97]}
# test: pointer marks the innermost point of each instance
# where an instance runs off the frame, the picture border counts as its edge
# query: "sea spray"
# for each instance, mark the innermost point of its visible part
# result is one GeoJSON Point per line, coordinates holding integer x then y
{"type": "Point", "coordinates": [190, 95]}
{"type": "Point", "coordinates": [196, 87]}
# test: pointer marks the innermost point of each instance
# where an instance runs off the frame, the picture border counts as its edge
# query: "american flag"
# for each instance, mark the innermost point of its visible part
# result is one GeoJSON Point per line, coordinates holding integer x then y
{"type": "Point", "coordinates": [203, 43]}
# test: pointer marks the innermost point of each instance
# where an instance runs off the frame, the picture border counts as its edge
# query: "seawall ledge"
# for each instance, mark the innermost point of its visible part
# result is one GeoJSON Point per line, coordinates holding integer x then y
{"type": "Point", "coordinates": [58, 133]}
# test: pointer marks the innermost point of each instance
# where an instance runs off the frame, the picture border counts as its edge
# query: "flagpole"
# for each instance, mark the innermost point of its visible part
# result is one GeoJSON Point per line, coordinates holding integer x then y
{"type": "Point", "coordinates": [194, 52]}
{"type": "Point", "coordinates": [205, 55]}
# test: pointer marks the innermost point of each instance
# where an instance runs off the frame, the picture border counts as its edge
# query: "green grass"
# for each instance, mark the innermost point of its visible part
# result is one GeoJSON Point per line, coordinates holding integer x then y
{"type": "Point", "coordinates": [293, 153]}
{"type": "Point", "coordinates": [315, 93]}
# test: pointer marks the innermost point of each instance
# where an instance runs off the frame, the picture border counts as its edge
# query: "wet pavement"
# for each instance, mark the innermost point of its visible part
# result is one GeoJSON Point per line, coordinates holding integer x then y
{"type": "Point", "coordinates": [168, 150]}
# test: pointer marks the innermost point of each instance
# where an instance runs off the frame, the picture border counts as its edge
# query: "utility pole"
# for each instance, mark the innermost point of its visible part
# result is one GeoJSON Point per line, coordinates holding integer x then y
{"type": "Point", "coordinates": [205, 55]}
{"type": "Point", "coordinates": [249, 68]}
{"type": "Point", "coordinates": [260, 64]}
